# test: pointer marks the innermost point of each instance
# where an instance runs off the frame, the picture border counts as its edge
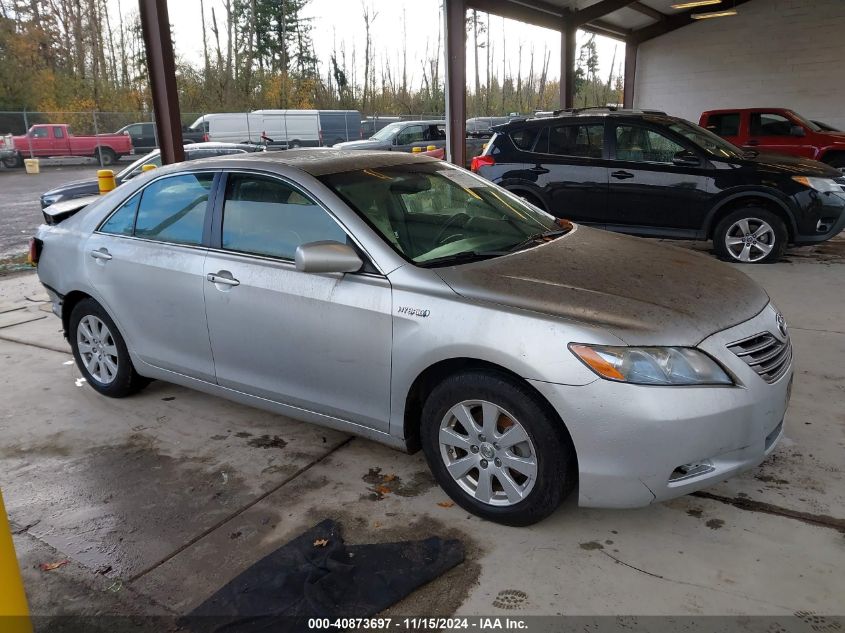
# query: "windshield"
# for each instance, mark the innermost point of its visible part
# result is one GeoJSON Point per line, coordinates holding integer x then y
{"type": "Point", "coordinates": [386, 132]}
{"type": "Point", "coordinates": [706, 140]}
{"type": "Point", "coordinates": [433, 213]}
{"type": "Point", "coordinates": [805, 122]}
{"type": "Point", "coordinates": [153, 158]}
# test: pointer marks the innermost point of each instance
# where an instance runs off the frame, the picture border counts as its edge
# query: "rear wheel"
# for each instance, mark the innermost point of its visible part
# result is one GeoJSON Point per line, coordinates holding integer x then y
{"type": "Point", "coordinates": [530, 198]}
{"type": "Point", "coordinates": [751, 235]}
{"type": "Point", "coordinates": [496, 449]}
{"type": "Point", "coordinates": [13, 161]}
{"type": "Point", "coordinates": [105, 155]}
{"type": "Point", "coordinates": [100, 351]}
{"type": "Point", "coordinates": [838, 162]}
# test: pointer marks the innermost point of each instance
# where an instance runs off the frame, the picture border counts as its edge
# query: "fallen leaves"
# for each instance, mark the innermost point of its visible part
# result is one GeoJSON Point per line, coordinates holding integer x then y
{"type": "Point", "coordinates": [383, 490]}
{"type": "Point", "coordinates": [321, 542]}
{"type": "Point", "coordinates": [52, 566]}
{"type": "Point", "coordinates": [446, 504]}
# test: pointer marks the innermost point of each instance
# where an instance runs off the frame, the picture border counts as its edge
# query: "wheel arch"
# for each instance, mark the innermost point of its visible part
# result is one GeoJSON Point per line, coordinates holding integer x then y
{"type": "Point", "coordinates": [831, 154]}
{"type": "Point", "coordinates": [520, 188]}
{"type": "Point", "coordinates": [69, 302]}
{"type": "Point", "coordinates": [748, 198]}
{"type": "Point", "coordinates": [435, 373]}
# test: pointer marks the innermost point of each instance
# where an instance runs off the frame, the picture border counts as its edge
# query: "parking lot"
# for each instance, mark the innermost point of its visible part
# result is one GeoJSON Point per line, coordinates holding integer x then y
{"type": "Point", "coordinates": [158, 500]}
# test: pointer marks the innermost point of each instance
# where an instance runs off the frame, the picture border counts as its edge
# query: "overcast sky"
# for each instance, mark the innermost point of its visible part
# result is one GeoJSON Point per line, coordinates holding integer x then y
{"type": "Point", "coordinates": [341, 20]}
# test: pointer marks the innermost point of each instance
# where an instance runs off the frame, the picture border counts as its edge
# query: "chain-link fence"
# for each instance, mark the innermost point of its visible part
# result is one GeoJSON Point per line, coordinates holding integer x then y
{"type": "Point", "coordinates": [41, 134]}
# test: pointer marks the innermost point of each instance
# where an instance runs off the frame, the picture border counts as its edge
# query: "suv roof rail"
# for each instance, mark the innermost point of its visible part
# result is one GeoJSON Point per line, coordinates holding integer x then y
{"type": "Point", "coordinates": [606, 109]}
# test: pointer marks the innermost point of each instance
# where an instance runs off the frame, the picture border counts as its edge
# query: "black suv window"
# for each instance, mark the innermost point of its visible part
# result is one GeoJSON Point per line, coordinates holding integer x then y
{"type": "Point", "coordinates": [639, 144]}
{"type": "Point", "coordinates": [524, 138]}
{"type": "Point", "coordinates": [724, 124]}
{"type": "Point", "coordinates": [580, 140]}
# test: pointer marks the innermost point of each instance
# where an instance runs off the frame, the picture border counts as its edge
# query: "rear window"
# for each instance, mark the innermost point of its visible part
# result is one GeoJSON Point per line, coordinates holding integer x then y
{"type": "Point", "coordinates": [524, 138]}
{"type": "Point", "coordinates": [724, 124]}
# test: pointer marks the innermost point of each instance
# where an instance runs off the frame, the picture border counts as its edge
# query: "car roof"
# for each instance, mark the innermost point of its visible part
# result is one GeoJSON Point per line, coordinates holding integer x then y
{"type": "Point", "coordinates": [724, 110]}
{"type": "Point", "coordinates": [318, 161]}
{"type": "Point", "coordinates": [563, 117]}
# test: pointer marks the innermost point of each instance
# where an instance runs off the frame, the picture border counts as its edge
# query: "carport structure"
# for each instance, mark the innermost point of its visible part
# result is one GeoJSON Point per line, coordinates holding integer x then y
{"type": "Point", "coordinates": [630, 21]}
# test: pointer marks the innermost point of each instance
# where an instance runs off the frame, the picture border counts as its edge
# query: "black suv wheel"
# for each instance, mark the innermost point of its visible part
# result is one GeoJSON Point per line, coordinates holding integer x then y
{"type": "Point", "coordinates": [751, 235]}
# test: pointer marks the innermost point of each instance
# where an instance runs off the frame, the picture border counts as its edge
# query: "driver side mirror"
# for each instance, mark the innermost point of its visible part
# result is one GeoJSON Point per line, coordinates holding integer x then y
{"type": "Point", "coordinates": [327, 257]}
{"type": "Point", "coordinates": [796, 130]}
{"type": "Point", "coordinates": [686, 158]}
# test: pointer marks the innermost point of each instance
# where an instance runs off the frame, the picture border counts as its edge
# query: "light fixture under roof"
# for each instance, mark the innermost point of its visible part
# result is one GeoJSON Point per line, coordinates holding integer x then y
{"type": "Point", "coordinates": [695, 3]}
{"type": "Point", "coordinates": [713, 14]}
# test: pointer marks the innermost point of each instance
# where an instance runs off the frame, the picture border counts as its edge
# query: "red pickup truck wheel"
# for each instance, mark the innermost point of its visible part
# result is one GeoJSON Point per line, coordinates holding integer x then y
{"type": "Point", "coordinates": [105, 155]}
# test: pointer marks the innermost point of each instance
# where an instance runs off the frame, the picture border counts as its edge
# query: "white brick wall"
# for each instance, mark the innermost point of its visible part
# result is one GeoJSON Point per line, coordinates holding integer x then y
{"type": "Point", "coordinates": [775, 53]}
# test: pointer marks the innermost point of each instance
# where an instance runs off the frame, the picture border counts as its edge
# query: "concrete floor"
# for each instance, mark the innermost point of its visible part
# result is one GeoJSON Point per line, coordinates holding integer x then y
{"type": "Point", "coordinates": [160, 499]}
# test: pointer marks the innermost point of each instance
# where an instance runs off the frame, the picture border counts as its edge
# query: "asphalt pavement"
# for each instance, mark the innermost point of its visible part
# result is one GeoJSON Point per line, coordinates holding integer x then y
{"type": "Point", "coordinates": [20, 209]}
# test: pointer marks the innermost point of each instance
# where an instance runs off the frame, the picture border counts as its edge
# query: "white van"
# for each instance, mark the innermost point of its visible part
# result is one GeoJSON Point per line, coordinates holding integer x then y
{"type": "Point", "coordinates": [296, 128]}
{"type": "Point", "coordinates": [279, 128]}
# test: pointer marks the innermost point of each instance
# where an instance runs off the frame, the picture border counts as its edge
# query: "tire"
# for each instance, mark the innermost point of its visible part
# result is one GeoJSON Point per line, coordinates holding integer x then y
{"type": "Point", "coordinates": [838, 162]}
{"type": "Point", "coordinates": [295, 145]}
{"type": "Point", "coordinates": [530, 198]}
{"type": "Point", "coordinates": [738, 236]}
{"type": "Point", "coordinates": [13, 162]}
{"type": "Point", "coordinates": [105, 155]}
{"type": "Point", "coordinates": [515, 405]}
{"type": "Point", "coordinates": [125, 381]}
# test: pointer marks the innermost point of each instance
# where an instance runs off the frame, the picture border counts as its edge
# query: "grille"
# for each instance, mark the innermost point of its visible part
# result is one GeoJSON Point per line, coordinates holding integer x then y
{"type": "Point", "coordinates": [765, 353]}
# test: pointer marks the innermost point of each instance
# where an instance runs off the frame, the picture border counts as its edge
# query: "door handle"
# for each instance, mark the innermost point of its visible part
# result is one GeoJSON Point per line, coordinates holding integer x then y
{"type": "Point", "coordinates": [539, 170]}
{"type": "Point", "coordinates": [101, 253]}
{"type": "Point", "coordinates": [622, 175]}
{"type": "Point", "coordinates": [218, 278]}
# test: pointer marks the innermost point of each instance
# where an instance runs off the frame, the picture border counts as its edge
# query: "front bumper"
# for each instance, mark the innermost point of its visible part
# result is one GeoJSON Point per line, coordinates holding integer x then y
{"type": "Point", "coordinates": [631, 440]}
{"type": "Point", "coordinates": [822, 217]}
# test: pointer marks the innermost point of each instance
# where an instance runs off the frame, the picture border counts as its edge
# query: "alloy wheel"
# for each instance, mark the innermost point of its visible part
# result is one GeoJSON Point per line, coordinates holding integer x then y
{"type": "Point", "coordinates": [97, 349]}
{"type": "Point", "coordinates": [750, 239]}
{"type": "Point", "coordinates": [488, 453]}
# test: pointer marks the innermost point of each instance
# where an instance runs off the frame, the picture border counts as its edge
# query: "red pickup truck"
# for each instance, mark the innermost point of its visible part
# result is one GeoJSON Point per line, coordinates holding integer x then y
{"type": "Point", "coordinates": [777, 130]}
{"type": "Point", "coordinates": [56, 139]}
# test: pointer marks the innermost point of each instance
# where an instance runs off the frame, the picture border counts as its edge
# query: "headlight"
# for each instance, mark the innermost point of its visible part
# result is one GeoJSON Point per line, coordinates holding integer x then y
{"type": "Point", "coordinates": [46, 201]}
{"type": "Point", "coordinates": [652, 365]}
{"type": "Point", "coordinates": [824, 185]}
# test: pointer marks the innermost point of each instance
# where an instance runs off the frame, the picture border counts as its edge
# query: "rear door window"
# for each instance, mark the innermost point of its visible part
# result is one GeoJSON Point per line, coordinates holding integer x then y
{"type": "Point", "coordinates": [726, 124]}
{"type": "Point", "coordinates": [583, 141]}
{"type": "Point", "coordinates": [173, 209]}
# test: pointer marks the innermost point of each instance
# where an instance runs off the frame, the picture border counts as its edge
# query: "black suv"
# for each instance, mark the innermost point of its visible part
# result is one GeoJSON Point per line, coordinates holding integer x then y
{"type": "Point", "coordinates": [650, 174]}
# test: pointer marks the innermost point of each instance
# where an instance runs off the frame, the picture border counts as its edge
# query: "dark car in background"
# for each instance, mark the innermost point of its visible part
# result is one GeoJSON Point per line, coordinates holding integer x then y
{"type": "Point", "coordinates": [650, 174]}
{"type": "Point", "coordinates": [482, 126]}
{"type": "Point", "coordinates": [88, 187]}
{"type": "Point", "coordinates": [338, 126]}
{"type": "Point", "coordinates": [144, 138]}
{"type": "Point", "coordinates": [403, 136]}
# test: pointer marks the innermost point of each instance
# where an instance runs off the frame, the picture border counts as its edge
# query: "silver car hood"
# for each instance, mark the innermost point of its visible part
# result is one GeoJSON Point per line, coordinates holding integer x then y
{"type": "Point", "coordinates": [643, 293]}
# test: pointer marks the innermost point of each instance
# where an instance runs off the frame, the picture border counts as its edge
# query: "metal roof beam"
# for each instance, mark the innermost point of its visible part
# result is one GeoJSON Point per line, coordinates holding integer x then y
{"type": "Point", "coordinates": [672, 23]}
{"type": "Point", "coordinates": [599, 10]}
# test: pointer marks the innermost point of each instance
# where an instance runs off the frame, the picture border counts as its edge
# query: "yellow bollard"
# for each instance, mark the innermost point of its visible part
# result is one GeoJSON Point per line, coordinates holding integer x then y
{"type": "Point", "coordinates": [147, 167]}
{"type": "Point", "coordinates": [431, 148]}
{"type": "Point", "coordinates": [14, 611]}
{"type": "Point", "coordinates": [105, 180]}
{"type": "Point", "coordinates": [416, 150]}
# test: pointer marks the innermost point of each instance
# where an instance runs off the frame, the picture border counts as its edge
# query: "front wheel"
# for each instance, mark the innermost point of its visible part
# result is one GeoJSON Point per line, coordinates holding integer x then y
{"type": "Point", "coordinates": [751, 235]}
{"type": "Point", "coordinates": [496, 448]}
{"type": "Point", "coordinates": [100, 351]}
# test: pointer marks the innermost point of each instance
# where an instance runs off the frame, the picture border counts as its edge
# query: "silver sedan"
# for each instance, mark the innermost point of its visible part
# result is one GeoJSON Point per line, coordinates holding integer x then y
{"type": "Point", "coordinates": [409, 301]}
